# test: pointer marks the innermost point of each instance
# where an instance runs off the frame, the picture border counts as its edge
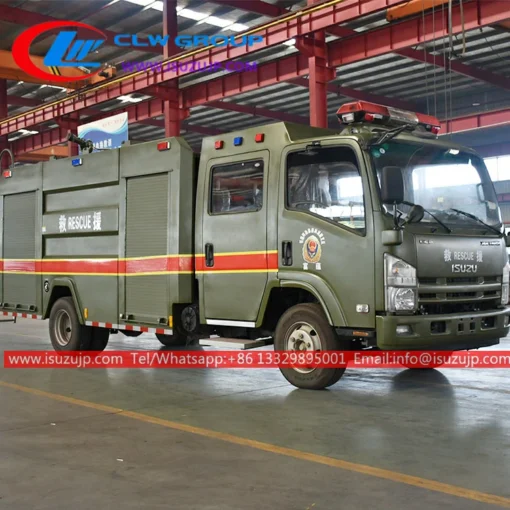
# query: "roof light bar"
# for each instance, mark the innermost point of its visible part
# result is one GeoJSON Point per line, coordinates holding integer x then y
{"type": "Point", "coordinates": [363, 111]}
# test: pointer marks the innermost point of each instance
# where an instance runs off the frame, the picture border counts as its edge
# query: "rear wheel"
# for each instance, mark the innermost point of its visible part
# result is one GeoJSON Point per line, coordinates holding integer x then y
{"type": "Point", "coordinates": [66, 332]}
{"type": "Point", "coordinates": [100, 337]}
{"type": "Point", "coordinates": [305, 328]}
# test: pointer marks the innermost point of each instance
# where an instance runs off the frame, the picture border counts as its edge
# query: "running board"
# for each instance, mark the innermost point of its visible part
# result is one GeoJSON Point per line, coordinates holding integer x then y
{"type": "Point", "coordinates": [235, 343]}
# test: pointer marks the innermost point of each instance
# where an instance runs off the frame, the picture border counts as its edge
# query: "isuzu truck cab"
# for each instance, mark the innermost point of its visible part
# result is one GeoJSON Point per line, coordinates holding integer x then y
{"type": "Point", "coordinates": [377, 235]}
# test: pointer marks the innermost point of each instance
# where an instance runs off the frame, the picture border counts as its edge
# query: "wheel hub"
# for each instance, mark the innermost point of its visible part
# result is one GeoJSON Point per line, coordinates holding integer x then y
{"type": "Point", "coordinates": [303, 338]}
{"type": "Point", "coordinates": [63, 328]}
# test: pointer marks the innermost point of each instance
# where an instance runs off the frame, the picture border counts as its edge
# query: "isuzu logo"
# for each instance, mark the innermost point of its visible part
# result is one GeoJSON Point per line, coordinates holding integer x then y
{"type": "Point", "coordinates": [464, 268]}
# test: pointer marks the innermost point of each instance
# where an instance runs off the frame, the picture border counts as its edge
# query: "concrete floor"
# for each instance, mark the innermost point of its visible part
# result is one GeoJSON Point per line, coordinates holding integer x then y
{"type": "Point", "coordinates": [450, 429]}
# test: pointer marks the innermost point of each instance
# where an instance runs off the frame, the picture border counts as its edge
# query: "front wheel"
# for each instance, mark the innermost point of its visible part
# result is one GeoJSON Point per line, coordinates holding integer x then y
{"type": "Point", "coordinates": [305, 328]}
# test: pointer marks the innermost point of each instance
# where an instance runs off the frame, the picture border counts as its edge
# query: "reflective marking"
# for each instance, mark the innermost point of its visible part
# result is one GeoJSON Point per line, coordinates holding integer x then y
{"type": "Point", "coordinates": [129, 327]}
{"type": "Point", "coordinates": [22, 315]}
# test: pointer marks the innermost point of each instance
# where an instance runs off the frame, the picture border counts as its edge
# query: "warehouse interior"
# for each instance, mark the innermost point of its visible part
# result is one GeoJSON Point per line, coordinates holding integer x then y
{"type": "Point", "coordinates": [236, 438]}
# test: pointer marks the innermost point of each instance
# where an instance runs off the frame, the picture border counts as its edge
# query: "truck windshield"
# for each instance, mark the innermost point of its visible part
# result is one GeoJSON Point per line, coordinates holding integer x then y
{"type": "Point", "coordinates": [441, 180]}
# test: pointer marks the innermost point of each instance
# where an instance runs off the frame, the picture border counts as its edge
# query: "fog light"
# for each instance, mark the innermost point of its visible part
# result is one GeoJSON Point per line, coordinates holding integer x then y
{"type": "Point", "coordinates": [404, 330]}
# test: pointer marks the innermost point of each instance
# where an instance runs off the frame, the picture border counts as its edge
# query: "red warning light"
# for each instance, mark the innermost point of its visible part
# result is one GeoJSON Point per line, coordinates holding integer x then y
{"type": "Point", "coordinates": [163, 146]}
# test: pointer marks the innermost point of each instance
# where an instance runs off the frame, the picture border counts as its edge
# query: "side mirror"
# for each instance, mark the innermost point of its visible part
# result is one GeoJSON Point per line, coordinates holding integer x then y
{"type": "Point", "coordinates": [507, 240]}
{"type": "Point", "coordinates": [415, 214]}
{"type": "Point", "coordinates": [392, 185]}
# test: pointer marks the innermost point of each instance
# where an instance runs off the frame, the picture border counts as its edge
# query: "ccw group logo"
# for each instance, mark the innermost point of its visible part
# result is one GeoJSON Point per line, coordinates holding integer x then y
{"type": "Point", "coordinates": [66, 51]}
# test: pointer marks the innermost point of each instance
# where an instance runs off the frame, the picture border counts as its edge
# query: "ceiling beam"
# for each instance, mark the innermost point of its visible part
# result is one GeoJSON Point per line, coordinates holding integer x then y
{"type": "Point", "coordinates": [253, 6]}
{"type": "Point", "coordinates": [476, 121]}
{"type": "Point", "coordinates": [311, 20]}
{"type": "Point", "coordinates": [23, 101]}
{"type": "Point", "coordinates": [387, 39]}
{"type": "Point", "coordinates": [361, 95]}
{"type": "Point", "coordinates": [457, 125]}
{"type": "Point", "coordinates": [381, 41]}
{"type": "Point", "coordinates": [440, 61]}
{"type": "Point", "coordinates": [258, 112]}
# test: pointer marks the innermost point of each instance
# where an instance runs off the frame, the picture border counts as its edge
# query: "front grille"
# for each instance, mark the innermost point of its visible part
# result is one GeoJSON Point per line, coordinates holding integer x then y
{"type": "Point", "coordinates": [458, 295]}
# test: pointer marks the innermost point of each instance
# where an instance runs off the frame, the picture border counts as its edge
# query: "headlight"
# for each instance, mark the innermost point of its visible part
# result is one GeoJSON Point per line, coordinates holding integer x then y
{"type": "Point", "coordinates": [400, 284]}
{"type": "Point", "coordinates": [505, 288]}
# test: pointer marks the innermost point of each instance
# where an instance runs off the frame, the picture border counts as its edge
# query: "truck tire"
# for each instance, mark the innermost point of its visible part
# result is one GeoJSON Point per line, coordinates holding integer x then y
{"type": "Point", "coordinates": [100, 337]}
{"type": "Point", "coordinates": [171, 340]}
{"type": "Point", "coordinates": [66, 332]}
{"type": "Point", "coordinates": [305, 328]}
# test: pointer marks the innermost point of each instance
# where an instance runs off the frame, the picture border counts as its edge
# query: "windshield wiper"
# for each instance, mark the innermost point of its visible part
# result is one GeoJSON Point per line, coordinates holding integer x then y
{"type": "Point", "coordinates": [476, 218]}
{"type": "Point", "coordinates": [388, 135]}
{"type": "Point", "coordinates": [448, 229]}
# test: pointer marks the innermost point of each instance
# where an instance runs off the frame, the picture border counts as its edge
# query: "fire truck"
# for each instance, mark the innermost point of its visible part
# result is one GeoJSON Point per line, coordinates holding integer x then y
{"type": "Point", "coordinates": [376, 235]}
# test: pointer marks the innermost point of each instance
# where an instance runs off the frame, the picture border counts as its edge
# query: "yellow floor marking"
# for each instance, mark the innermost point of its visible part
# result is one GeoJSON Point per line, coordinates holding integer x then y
{"type": "Point", "coordinates": [385, 474]}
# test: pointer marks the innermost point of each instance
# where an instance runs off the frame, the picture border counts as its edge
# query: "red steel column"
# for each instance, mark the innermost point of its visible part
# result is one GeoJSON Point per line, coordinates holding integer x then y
{"type": "Point", "coordinates": [4, 112]}
{"type": "Point", "coordinates": [318, 79]}
{"type": "Point", "coordinates": [72, 148]}
{"type": "Point", "coordinates": [171, 28]}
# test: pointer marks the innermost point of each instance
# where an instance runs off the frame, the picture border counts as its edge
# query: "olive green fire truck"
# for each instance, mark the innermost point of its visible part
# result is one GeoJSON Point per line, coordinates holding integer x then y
{"type": "Point", "coordinates": [376, 235]}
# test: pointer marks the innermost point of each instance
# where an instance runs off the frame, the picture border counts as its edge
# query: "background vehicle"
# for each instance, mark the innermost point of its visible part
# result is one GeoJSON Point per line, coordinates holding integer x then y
{"type": "Point", "coordinates": [378, 236]}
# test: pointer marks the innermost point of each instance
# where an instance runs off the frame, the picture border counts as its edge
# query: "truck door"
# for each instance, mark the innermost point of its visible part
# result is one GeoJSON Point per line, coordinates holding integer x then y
{"type": "Point", "coordinates": [325, 227]}
{"type": "Point", "coordinates": [234, 260]}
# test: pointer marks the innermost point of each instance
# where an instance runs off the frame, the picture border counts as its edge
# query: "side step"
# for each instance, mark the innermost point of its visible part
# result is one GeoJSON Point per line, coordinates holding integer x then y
{"type": "Point", "coordinates": [235, 343]}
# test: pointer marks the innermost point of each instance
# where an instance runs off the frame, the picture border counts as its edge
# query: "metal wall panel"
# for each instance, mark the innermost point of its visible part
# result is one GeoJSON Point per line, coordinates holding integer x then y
{"type": "Point", "coordinates": [20, 290]}
{"type": "Point", "coordinates": [97, 168]}
{"type": "Point", "coordinates": [88, 198]}
{"type": "Point", "coordinates": [84, 247]}
{"type": "Point", "coordinates": [146, 235]}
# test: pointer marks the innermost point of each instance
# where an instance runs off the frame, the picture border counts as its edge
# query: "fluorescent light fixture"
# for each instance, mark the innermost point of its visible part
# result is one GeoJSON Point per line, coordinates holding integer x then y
{"type": "Point", "coordinates": [129, 99]}
{"type": "Point", "coordinates": [217, 22]}
{"type": "Point", "coordinates": [237, 27]}
{"type": "Point", "coordinates": [290, 42]}
{"type": "Point", "coordinates": [52, 87]}
{"type": "Point", "coordinates": [188, 13]}
{"type": "Point", "coordinates": [22, 133]}
{"type": "Point", "coordinates": [158, 5]}
{"type": "Point", "coordinates": [143, 3]}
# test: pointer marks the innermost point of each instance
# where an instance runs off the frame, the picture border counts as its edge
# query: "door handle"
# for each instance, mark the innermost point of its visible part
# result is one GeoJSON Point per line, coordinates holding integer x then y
{"type": "Point", "coordinates": [287, 253]}
{"type": "Point", "coordinates": [209, 255]}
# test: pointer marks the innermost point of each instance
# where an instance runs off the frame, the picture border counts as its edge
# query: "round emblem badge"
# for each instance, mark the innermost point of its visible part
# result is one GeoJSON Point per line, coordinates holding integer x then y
{"type": "Point", "coordinates": [312, 250]}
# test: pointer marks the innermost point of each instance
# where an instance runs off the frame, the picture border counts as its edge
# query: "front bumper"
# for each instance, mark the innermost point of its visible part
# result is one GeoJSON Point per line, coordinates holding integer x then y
{"type": "Point", "coordinates": [443, 332]}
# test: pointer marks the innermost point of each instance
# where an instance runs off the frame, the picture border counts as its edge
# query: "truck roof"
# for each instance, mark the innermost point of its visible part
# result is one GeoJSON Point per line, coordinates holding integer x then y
{"type": "Point", "coordinates": [282, 133]}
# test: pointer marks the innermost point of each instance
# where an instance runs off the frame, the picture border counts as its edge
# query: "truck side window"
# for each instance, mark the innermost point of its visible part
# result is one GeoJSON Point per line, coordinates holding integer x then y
{"type": "Point", "coordinates": [237, 187]}
{"type": "Point", "coordinates": [327, 182]}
